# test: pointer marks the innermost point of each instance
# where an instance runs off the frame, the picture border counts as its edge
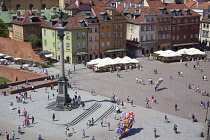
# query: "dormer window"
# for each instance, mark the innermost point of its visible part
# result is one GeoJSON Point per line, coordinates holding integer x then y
{"type": "Point", "coordinates": [82, 23]}
{"type": "Point", "coordinates": [186, 11]}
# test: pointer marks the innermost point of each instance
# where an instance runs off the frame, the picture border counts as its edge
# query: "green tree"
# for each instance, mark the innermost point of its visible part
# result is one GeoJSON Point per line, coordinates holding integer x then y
{"type": "Point", "coordinates": [38, 42]}
{"type": "Point", "coordinates": [54, 16]}
{"type": "Point", "coordinates": [3, 28]}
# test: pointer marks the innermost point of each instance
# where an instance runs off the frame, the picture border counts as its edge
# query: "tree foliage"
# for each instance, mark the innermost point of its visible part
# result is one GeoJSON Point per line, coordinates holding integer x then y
{"type": "Point", "coordinates": [54, 16]}
{"type": "Point", "coordinates": [3, 28]}
{"type": "Point", "coordinates": [38, 42]}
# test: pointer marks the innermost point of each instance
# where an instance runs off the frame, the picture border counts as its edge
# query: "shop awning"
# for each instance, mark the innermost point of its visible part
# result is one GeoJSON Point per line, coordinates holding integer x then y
{"type": "Point", "coordinates": [82, 53]}
{"type": "Point", "coordinates": [185, 44]}
{"type": "Point", "coordinates": [114, 50]}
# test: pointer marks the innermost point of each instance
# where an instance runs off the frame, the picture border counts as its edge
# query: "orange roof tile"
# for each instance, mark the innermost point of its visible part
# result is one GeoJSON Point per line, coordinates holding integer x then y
{"type": "Point", "coordinates": [71, 6]}
{"type": "Point", "coordinates": [191, 4]}
{"type": "Point", "coordinates": [204, 5]}
{"type": "Point", "coordinates": [27, 18]}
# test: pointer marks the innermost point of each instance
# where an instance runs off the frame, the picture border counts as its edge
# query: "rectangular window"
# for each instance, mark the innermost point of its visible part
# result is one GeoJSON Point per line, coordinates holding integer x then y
{"type": "Point", "coordinates": [115, 43]}
{"type": "Point", "coordinates": [152, 27]}
{"type": "Point", "coordinates": [31, 27]}
{"type": "Point", "coordinates": [152, 37]}
{"type": "Point", "coordinates": [142, 38]}
{"type": "Point", "coordinates": [108, 26]}
{"type": "Point", "coordinates": [102, 35]}
{"type": "Point", "coordinates": [178, 21]}
{"type": "Point", "coordinates": [168, 36]}
{"type": "Point", "coordinates": [91, 47]}
{"type": "Point", "coordinates": [83, 34]}
{"type": "Point", "coordinates": [45, 32]}
{"type": "Point", "coordinates": [68, 46]}
{"type": "Point", "coordinates": [142, 27]}
{"type": "Point", "coordinates": [107, 44]}
{"type": "Point", "coordinates": [192, 20]}
{"type": "Point", "coordinates": [173, 37]}
{"type": "Point", "coordinates": [91, 38]}
{"type": "Point", "coordinates": [102, 44]}
{"type": "Point", "coordinates": [169, 28]}
{"type": "Point", "coordinates": [191, 36]}
{"type": "Point", "coordinates": [131, 27]}
{"type": "Point", "coordinates": [90, 30]}
{"type": "Point", "coordinates": [102, 26]}
{"type": "Point", "coordinates": [120, 34]}
{"type": "Point", "coordinates": [53, 44]}
{"type": "Point", "coordinates": [185, 21]}
{"type": "Point", "coordinates": [96, 46]}
{"type": "Point", "coordinates": [184, 36]}
{"type": "Point", "coordinates": [45, 42]}
{"type": "Point", "coordinates": [120, 26]}
{"type": "Point", "coordinates": [96, 38]}
{"type": "Point", "coordinates": [53, 34]}
{"type": "Point", "coordinates": [177, 37]}
{"type": "Point", "coordinates": [78, 45]}
{"type": "Point", "coordinates": [147, 27]}
{"type": "Point", "coordinates": [96, 29]}
{"type": "Point", "coordinates": [83, 45]}
{"type": "Point", "coordinates": [67, 36]}
{"type": "Point", "coordinates": [115, 26]}
{"type": "Point", "coordinates": [196, 20]}
{"type": "Point", "coordinates": [108, 35]}
{"type": "Point", "coordinates": [120, 43]}
{"type": "Point", "coordinates": [115, 35]}
{"type": "Point", "coordinates": [174, 28]}
{"type": "Point", "coordinates": [58, 45]}
{"type": "Point", "coordinates": [78, 35]}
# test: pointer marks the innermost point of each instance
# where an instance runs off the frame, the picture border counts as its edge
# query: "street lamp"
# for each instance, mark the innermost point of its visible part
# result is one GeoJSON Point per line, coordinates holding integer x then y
{"type": "Point", "coordinates": [74, 61]}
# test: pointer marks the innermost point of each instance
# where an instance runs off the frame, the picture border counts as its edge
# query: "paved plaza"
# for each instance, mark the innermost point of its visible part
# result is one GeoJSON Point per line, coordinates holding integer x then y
{"type": "Point", "coordinates": [106, 84]}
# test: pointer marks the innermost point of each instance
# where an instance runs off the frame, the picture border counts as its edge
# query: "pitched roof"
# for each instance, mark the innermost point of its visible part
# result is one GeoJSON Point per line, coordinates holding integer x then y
{"type": "Point", "coordinates": [73, 21]}
{"type": "Point", "coordinates": [71, 6]}
{"type": "Point", "coordinates": [191, 4]}
{"type": "Point", "coordinates": [181, 7]}
{"type": "Point", "coordinates": [85, 1]}
{"type": "Point", "coordinates": [29, 17]}
{"type": "Point", "coordinates": [120, 8]}
{"type": "Point", "coordinates": [204, 5]}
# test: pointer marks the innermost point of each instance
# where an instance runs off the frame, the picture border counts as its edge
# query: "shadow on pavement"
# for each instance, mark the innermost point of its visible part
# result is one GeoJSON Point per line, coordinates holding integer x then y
{"type": "Point", "coordinates": [133, 131]}
{"type": "Point", "coordinates": [161, 89]}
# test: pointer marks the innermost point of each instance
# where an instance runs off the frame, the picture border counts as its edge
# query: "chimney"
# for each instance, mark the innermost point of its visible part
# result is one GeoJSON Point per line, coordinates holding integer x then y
{"type": "Point", "coordinates": [54, 10]}
{"type": "Point", "coordinates": [18, 13]}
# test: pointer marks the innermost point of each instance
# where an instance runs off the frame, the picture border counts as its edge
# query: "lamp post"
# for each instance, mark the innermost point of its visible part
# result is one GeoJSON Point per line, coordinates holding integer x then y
{"type": "Point", "coordinates": [63, 96]}
{"type": "Point", "coordinates": [74, 61]}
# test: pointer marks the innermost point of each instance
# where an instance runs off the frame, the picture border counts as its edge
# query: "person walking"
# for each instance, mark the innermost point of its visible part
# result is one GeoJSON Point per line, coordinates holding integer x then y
{"type": "Point", "coordinates": [175, 107]}
{"type": "Point", "coordinates": [93, 138]}
{"type": "Point", "coordinates": [32, 118]}
{"type": "Point", "coordinates": [166, 119]}
{"type": "Point", "coordinates": [6, 136]}
{"type": "Point", "coordinates": [11, 105]}
{"type": "Point", "coordinates": [13, 135]}
{"type": "Point", "coordinates": [155, 132]}
{"type": "Point", "coordinates": [115, 114]}
{"type": "Point", "coordinates": [175, 128]}
{"type": "Point", "coordinates": [83, 133]}
{"type": "Point", "coordinates": [19, 129]}
{"type": "Point", "coordinates": [131, 102]}
{"type": "Point", "coordinates": [128, 99]}
{"type": "Point", "coordinates": [102, 123]}
{"type": "Point", "coordinates": [109, 125]}
{"type": "Point", "coordinates": [92, 121]}
{"type": "Point", "coordinates": [19, 111]}
{"type": "Point", "coordinates": [72, 130]}
{"type": "Point", "coordinates": [53, 117]}
{"type": "Point", "coordinates": [39, 137]}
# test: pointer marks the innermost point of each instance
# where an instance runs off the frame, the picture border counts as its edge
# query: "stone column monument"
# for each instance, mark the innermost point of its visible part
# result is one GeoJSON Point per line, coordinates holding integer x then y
{"type": "Point", "coordinates": [62, 96]}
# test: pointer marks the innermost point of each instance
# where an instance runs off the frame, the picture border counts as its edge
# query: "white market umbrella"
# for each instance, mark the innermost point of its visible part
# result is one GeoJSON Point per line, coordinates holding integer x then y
{"type": "Point", "coordinates": [17, 58]}
{"type": "Point", "coordinates": [134, 61]}
{"type": "Point", "coordinates": [1, 54]}
{"type": "Point", "coordinates": [7, 56]}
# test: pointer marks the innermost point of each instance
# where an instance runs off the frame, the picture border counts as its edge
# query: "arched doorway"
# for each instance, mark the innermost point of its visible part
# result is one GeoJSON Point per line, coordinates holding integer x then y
{"type": "Point", "coordinates": [31, 6]}
{"type": "Point", "coordinates": [67, 59]}
{"type": "Point", "coordinates": [90, 57]}
{"type": "Point", "coordinates": [17, 6]}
